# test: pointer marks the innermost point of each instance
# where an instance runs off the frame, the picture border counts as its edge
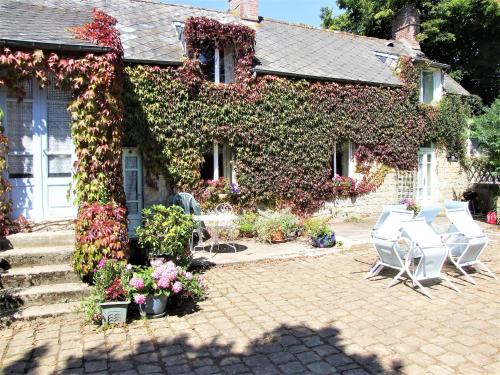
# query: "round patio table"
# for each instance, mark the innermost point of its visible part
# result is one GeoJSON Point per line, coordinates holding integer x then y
{"type": "Point", "coordinates": [216, 222]}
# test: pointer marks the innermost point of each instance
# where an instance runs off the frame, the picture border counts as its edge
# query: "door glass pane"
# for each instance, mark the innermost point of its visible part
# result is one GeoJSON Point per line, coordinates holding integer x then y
{"type": "Point", "coordinates": [133, 208]}
{"type": "Point", "coordinates": [130, 162]}
{"type": "Point", "coordinates": [20, 166]}
{"type": "Point", "coordinates": [429, 173]}
{"type": "Point", "coordinates": [59, 165]}
{"type": "Point", "coordinates": [59, 127]}
{"type": "Point", "coordinates": [131, 185]}
{"type": "Point", "coordinates": [27, 87]}
{"type": "Point", "coordinates": [20, 126]}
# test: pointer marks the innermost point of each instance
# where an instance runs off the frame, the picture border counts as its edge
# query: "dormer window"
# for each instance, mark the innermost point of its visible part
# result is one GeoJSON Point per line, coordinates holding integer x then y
{"type": "Point", "coordinates": [217, 64]}
{"type": "Point", "coordinates": [431, 86]}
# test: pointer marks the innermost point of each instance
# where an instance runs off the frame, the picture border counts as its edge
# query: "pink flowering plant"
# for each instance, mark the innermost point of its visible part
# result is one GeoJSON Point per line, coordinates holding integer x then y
{"type": "Point", "coordinates": [163, 278]}
{"type": "Point", "coordinates": [210, 193]}
{"type": "Point", "coordinates": [111, 279]}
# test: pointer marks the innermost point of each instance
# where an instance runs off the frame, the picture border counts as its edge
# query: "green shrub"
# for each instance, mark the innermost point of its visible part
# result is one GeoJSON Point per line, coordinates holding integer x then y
{"type": "Point", "coordinates": [317, 226]}
{"type": "Point", "coordinates": [166, 233]}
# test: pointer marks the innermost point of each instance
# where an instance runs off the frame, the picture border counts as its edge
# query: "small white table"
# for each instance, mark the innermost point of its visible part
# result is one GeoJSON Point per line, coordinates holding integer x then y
{"type": "Point", "coordinates": [217, 222]}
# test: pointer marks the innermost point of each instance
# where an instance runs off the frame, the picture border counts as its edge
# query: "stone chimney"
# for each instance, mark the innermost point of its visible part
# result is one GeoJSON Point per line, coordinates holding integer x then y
{"type": "Point", "coordinates": [406, 25]}
{"type": "Point", "coordinates": [246, 9]}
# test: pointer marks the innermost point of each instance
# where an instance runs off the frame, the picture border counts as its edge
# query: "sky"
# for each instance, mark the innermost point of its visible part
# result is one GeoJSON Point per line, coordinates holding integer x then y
{"type": "Point", "coordinates": [296, 11]}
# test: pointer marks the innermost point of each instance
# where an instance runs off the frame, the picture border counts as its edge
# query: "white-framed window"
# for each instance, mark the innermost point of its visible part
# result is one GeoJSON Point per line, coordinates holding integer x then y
{"type": "Point", "coordinates": [217, 64]}
{"type": "Point", "coordinates": [431, 86]}
{"type": "Point", "coordinates": [342, 162]}
{"type": "Point", "coordinates": [219, 163]}
{"type": "Point", "coordinates": [179, 29]}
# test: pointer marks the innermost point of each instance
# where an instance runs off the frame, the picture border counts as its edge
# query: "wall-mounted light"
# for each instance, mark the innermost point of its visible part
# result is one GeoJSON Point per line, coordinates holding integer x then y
{"type": "Point", "coordinates": [452, 158]}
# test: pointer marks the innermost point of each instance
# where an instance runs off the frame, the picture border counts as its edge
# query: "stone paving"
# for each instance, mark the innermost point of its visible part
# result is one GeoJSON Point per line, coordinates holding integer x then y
{"type": "Point", "coordinates": [302, 315]}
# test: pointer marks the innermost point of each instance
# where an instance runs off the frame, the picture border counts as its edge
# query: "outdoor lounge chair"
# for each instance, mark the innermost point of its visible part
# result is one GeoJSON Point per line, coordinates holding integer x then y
{"type": "Point", "coordinates": [451, 205]}
{"type": "Point", "coordinates": [386, 242]}
{"type": "Point", "coordinates": [429, 212]}
{"type": "Point", "coordinates": [467, 244]}
{"type": "Point", "coordinates": [430, 251]}
{"type": "Point", "coordinates": [385, 213]}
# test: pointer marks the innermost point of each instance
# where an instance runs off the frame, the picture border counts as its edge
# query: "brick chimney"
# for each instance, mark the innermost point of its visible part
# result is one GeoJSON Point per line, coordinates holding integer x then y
{"type": "Point", "coordinates": [246, 9]}
{"type": "Point", "coordinates": [406, 25]}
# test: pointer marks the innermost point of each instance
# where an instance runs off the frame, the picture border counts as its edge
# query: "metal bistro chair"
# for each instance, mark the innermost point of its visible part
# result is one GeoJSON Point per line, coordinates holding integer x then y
{"type": "Point", "coordinates": [229, 225]}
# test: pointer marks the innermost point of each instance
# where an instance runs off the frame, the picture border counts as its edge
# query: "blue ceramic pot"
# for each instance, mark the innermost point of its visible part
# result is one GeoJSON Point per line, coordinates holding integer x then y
{"type": "Point", "coordinates": [324, 241]}
{"type": "Point", "coordinates": [154, 307]}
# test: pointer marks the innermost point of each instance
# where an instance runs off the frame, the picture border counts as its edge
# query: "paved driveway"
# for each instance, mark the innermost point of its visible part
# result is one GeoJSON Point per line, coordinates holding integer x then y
{"type": "Point", "coordinates": [305, 315]}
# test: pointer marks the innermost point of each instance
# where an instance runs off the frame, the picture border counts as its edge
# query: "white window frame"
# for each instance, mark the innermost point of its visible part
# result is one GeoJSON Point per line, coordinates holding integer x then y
{"type": "Point", "coordinates": [351, 167]}
{"type": "Point", "coordinates": [228, 75]}
{"type": "Point", "coordinates": [437, 85]}
{"type": "Point", "coordinates": [228, 164]}
{"type": "Point", "coordinates": [433, 177]}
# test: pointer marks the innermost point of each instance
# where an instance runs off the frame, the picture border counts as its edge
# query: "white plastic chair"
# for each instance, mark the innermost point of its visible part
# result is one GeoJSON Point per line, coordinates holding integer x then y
{"type": "Point", "coordinates": [467, 245]}
{"type": "Point", "coordinates": [229, 226]}
{"type": "Point", "coordinates": [385, 213]}
{"type": "Point", "coordinates": [429, 212]}
{"type": "Point", "coordinates": [427, 246]}
{"type": "Point", "coordinates": [385, 240]}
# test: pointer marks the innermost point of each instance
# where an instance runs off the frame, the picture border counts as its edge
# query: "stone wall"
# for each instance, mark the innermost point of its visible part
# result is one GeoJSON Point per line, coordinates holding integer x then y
{"type": "Point", "coordinates": [450, 181]}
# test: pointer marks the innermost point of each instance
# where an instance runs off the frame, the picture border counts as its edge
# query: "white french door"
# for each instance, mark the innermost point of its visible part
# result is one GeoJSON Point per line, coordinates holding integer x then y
{"type": "Point", "coordinates": [132, 181]}
{"type": "Point", "coordinates": [425, 175]}
{"type": "Point", "coordinates": [41, 152]}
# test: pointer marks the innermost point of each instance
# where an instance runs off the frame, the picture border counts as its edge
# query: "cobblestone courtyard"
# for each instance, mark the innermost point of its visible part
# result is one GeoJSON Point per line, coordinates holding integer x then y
{"type": "Point", "coordinates": [306, 315]}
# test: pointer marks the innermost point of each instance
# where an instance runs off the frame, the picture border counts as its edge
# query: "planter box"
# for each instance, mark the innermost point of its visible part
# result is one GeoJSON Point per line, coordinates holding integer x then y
{"type": "Point", "coordinates": [114, 312]}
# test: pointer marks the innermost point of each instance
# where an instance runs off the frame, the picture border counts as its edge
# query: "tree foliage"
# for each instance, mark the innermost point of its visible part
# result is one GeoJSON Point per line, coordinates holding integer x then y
{"type": "Point", "coordinates": [486, 129]}
{"type": "Point", "coordinates": [462, 33]}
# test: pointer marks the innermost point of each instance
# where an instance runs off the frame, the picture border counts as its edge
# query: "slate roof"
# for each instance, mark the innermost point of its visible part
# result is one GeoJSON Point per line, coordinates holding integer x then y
{"type": "Point", "coordinates": [24, 22]}
{"type": "Point", "coordinates": [453, 87]}
{"type": "Point", "coordinates": [149, 36]}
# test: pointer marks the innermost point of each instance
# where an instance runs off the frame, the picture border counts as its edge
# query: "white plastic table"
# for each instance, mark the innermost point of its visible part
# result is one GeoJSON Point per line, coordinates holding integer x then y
{"type": "Point", "coordinates": [217, 222]}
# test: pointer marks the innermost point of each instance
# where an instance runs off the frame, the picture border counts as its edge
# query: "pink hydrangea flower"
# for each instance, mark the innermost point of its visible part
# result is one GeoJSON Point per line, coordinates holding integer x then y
{"type": "Point", "coordinates": [188, 275]}
{"type": "Point", "coordinates": [128, 267]}
{"type": "Point", "coordinates": [163, 283]}
{"type": "Point", "coordinates": [139, 299]}
{"type": "Point", "coordinates": [177, 287]}
{"type": "Point", "coordinates": [157, 262]}
{"type": "Point", "coordinates": [137, 283]}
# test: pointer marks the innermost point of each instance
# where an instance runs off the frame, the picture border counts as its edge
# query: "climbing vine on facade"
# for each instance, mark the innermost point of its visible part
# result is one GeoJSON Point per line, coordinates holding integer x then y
{"type": "Point", "coordinates": [282, 131]}
{"type": "Point", "coordinates": [96, 109]}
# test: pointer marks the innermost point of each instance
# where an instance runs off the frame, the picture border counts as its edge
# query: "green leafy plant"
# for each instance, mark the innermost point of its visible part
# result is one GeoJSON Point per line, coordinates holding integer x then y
{"type": "Point", "coordinates": [486, 129]}
{"type": "Point", "coordinates": [166, 231]}
{"type": "Point", "coordinates": [246, 224]}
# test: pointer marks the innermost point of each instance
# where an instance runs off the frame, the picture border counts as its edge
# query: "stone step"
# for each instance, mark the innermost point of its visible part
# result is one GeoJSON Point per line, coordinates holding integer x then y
{"type": "Point", "coordinates": [35, 312]}
{"type": "Point", "coordinates": [39, 256]}
{"type": "Point", "coordinates": [23, 277]}
{"type": "Point", "coordinates": [38, 239]}
{"type": "Point", "coordinates": [42, 295]}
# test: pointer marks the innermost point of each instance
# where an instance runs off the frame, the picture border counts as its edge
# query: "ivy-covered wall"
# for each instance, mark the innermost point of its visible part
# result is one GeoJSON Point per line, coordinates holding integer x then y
{"type": "Point", "coordinates": [282, 130]}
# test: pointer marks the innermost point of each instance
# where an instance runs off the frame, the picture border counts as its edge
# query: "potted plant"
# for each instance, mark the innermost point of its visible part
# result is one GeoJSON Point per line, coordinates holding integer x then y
{"type": "Point", "coordinates": [115, 306]}
{"type": "Point", "coordinates": [109, 296]}
{"type": "Point", "coordinates": [246, 224]}
{"type": "Point", "coordinates": [411, 205]}
{"type": "Point", "coordinates": [152, 286]}
{"type": "Point", "coordinates": [166, 233]}
{"type": "Point", "coordinates": [318, 231]}
{"type": "Point", "coordinates": [276, 227]}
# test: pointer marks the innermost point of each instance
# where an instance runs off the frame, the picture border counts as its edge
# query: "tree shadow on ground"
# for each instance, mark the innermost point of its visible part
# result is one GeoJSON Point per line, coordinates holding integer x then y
{"type": "Point", "coordinates": [284, 350]}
